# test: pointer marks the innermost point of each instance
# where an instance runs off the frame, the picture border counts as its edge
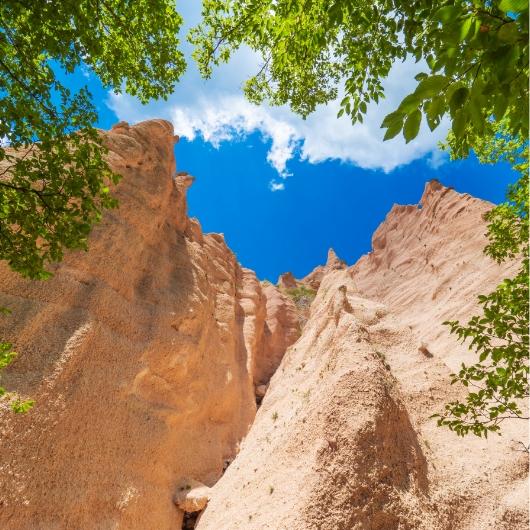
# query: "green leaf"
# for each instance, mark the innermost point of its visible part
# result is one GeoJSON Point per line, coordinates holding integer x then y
{"type": "Point", "coordinates": [393, 117]}
{"type": "Point", "coordinates": [393, 130]}
{"type": "Point", "coordinates": [412, 126]}
{"type": "Point", "coordinates": [335, 13]}
{"type": "Point", "coordinates": [459, 123]}
{"type": "Point", "coordinates": [458, 99]}
{"type": "Point", "coordinates": [500, 106]}
{"type": "Point", "coordinates": [465, 28]}
{"type": "Point", "coordinates": [434, 110]}
{"type": "Point", "coordinates": [436, 107]}
{"type": "Point", "coordinates": [431, 86]}
{"type": "Point", "coordinates": [513, 6]}
{"type": "Point", "coordinates": [508, 33]}
{"type": "Point", "coordinates": [409, 103]}
{"type": "Point", "coordinates": [475, 111]}
{"type": "Point", "coordinates": [446, 14]}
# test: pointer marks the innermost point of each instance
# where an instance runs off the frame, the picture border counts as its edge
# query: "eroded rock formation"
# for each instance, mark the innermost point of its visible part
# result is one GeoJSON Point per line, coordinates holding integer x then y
{"type": "Point", "coordinates": [333, 263]}
{"type": "Point", "coordinates": [344, 438]}
{"type": "Point", "coordinates": [332, 445]}
{"type": "Point", "coordinates": [141, 354]}
{"type": "Point", "coordinates": [146, 356]}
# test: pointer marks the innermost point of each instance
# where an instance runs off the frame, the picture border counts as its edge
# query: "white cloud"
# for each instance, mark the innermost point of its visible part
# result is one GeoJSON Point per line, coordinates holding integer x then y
{"type": "Point", "coordinates": [216, 111]}
{"type": "Point", "coordinates": [233, 117]}
{"type": "Point", "coordinates": [276, 186]}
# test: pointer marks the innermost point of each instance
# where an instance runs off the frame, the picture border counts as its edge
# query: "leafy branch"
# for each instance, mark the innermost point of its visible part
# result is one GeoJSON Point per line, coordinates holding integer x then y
{"type": "Point", "coordinates": [500, 335]}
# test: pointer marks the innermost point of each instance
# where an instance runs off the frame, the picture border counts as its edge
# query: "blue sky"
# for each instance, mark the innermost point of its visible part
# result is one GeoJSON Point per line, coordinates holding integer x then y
{"type": "Point", "coordinates": [284, 190]}
{"type": "Point", "coordinates": [330, 204]}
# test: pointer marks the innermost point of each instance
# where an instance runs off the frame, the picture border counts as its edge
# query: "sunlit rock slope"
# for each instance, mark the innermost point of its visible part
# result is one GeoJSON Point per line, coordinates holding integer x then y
{"type": "Point", "coordinates": [168, 378]}
{"type": "Point", "coordinates": [141, 354]}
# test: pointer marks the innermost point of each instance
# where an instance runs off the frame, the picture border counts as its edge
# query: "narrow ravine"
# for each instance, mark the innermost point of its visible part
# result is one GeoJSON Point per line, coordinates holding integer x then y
{"type": "Point", "coordinates": [175, 390]}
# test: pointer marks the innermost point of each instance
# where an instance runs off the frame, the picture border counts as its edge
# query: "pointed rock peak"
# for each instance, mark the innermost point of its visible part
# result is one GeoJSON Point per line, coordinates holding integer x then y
{"type": "Point", "coordinates": [287, 281]}
{"type": "Point", "coordinates": [432, 188]}
{"type": "Point", "coordinates": [434, 185]}
{"type": "Point", "coordinates": [121, 125]}
{"type": "Point", "coordinates": [334, 260]}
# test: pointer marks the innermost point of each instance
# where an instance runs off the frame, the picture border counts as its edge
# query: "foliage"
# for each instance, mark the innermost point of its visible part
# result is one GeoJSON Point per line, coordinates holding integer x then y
{"type": "Point", "coordinates": [476, 55]}
{"type": "Point", "coordinates": [301, 293]}
{"type": "Point", "coordinates": [17, 404]}
{"type": "Point", "coordinates": [54, 180]}
{"type": "Point", "coordinates": [7, 356]}
{"type": "Point", "coordinates": [500, 335]}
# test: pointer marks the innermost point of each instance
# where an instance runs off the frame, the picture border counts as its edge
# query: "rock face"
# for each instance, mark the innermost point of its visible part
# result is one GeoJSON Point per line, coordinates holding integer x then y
{"type": "Point", "coordinates": [141, 355]}
{"type": "Point", "coordinates": [287, 281]}
{"type": "Point", "coordinates": [282, 329]}
{"type": "Point", "coordinates": [192, 496]}
{"type": "Point", "coordinates": [427, 265]}
{"type": "Point", "coordinates": [332, 445]}
{"type": "Point", "coordinates": [344, 438]}
{"type": "Point", "coordinates": [146, 356]}
{"type": "Point", "coordinates": [270, 326]}
{"type": "Point", "coordinates": [333, 263]}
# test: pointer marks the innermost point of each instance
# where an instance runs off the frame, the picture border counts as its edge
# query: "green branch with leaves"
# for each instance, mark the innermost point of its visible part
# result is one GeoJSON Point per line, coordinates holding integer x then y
{"type": "Point", "coordinates": [498, 382]}
{"type": "Point", "coordinates": [475, 54]}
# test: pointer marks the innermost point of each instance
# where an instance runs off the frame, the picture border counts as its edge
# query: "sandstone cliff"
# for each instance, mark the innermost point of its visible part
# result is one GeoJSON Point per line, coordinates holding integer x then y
{"type": "Point", "coordinates": [344, 438]}
{"type": "Point", "coordinates": [144, 356]}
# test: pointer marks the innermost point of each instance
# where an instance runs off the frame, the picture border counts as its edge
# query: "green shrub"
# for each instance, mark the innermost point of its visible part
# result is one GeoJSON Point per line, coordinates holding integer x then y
{"type": "Point", "coordinates": [301, 293]}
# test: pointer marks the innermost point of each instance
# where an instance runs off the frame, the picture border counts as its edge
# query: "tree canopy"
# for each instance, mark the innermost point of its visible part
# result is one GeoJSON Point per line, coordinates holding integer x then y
{"type": "Point", "coordinates": [54, 181]}
{"type": "Point", "coordinates": [475, 53]}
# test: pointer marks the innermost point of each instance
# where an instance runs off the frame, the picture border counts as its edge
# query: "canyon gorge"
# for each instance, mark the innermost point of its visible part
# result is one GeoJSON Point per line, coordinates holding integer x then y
{"type": "Point", "coordinates": [174, 389]}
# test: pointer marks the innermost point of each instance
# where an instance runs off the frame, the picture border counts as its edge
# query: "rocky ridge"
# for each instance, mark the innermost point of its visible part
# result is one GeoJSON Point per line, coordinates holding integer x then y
{"type": "Point", "coordinates": [346, 422]}
{"type": "Point", "coordinates": [146, 356]}
{"type": "Point", "coordinates": [142, 355]}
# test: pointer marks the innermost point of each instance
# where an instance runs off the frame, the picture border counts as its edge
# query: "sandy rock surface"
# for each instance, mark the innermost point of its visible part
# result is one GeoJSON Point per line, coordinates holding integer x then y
{"type": "Point", "coordinates": [332, 445]}
{"type": "Point", "coordinates": [287, 281]}
{"type": "Point", "coordinates": [147, 355]}
{"type": "Point", "coordinates": [140, 355]}
{"type": "Point", "coordinates": [192, 495]}
{"type": "Point", "coordinates": [344, 438]}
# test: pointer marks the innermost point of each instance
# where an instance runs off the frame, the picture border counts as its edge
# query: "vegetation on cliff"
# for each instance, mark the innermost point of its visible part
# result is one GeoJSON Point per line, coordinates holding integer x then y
{"type": "Point", "coordinates": [17, 404]}
{"type": "Point", "coordinates": [499, 381]}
